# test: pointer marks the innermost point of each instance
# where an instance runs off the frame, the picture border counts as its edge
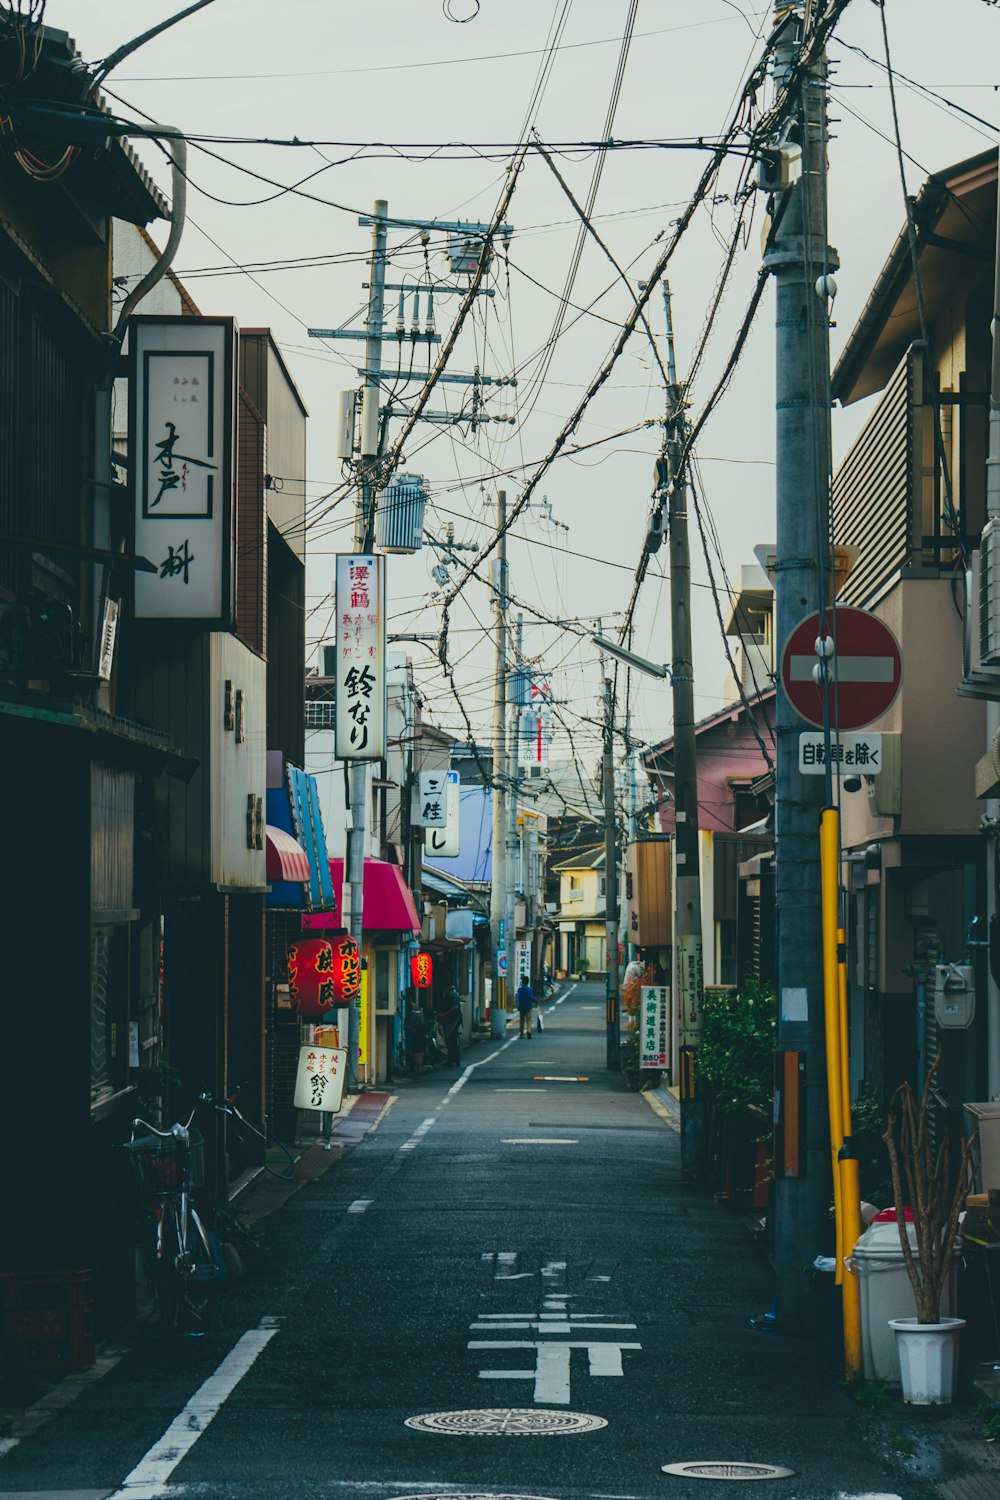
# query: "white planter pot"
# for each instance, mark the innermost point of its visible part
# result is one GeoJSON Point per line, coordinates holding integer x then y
{"type": "Point", "coordinates": [928, 1359]}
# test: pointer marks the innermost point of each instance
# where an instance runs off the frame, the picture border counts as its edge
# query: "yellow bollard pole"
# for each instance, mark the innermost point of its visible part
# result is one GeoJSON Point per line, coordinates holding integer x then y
{"type": "Point", "coordinates": [829, 845]}
{"type": "Point", "coordinates": [850, 1189]}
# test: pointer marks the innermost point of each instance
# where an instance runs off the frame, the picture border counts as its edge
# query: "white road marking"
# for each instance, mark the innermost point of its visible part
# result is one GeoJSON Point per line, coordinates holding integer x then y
{"type": "Point", "coordinates": [359, 1205]}
{"type": "Point", "coordinates": [551, 1372]}
{"type": "Point", "coordinates": [537, 1140]}
{"type": "Point", "coordinates": [520, 1091]}
{"type": "Point", "coordinates": [419, 1134]}
{"type": "Point", "coordinates": [149, 1478]}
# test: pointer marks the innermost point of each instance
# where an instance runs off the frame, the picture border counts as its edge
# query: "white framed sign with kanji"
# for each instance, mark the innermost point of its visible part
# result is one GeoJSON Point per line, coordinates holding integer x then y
{"type": "Point", "coordinates": [319, 1081]}
{"type": "Point", "coordinates": [360, 676]}
{"type": "Point", "coordinates": [182, 424]}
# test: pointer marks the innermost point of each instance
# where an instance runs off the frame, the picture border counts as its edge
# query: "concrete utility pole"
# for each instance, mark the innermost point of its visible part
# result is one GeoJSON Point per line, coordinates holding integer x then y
{"type": "Point", "coordinates": [498, 887]}
{"type": "Point", "coordinates": [364, 541]}
{"type": "Point", "coordinates": [611, 881]}
{"type": "Point", "coordinates": [798, 258]}
{"type": "Point", "coordinates": [513, 841]}
{"type": "Point", "coordinates": [689, 970]}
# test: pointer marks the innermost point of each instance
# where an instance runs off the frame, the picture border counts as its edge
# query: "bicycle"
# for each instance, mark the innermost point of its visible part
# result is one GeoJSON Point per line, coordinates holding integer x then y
{"type": "Point", "coordinates": [170, 1165]}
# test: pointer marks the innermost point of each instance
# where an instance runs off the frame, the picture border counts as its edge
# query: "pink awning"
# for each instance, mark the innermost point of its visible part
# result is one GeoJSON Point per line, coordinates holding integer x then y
{"type": "Point", "coordinates": [286, 858]}
{"type": "Point", "coordinates": [388, 900]}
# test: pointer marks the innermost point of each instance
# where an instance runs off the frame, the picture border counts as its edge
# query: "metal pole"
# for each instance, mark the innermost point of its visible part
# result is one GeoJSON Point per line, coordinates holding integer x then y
{"type": "Point", "coordinates": [798, 257]}
{"type": "Point", "coordinates": [364, 540]}
{"type": "Point", "coordinates": [688, 957]}
{"type": "Point", "coordinates": [513, 839]}
{"type": "Point", "coordinates": [498, 886]}
{"type": "Point", "coordinates": [611, 881]}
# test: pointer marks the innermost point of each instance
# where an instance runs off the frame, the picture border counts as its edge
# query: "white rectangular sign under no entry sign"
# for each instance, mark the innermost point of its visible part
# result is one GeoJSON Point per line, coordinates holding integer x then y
{"type": "Point", "coordinates": [857, 753]}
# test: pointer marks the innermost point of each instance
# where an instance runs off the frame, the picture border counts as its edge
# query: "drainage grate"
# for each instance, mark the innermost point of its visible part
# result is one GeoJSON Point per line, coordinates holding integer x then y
{"type": "Point", "coordinates": [714, 1469]}
{"type": "Point", "coordinates": [506, 1421]}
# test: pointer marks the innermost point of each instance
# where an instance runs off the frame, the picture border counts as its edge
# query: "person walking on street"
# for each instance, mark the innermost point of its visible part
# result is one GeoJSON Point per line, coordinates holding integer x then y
{"type": "Point", "coordinates": [525, 1002]}
{"type": "Point", "coordinates": [448, 1014]}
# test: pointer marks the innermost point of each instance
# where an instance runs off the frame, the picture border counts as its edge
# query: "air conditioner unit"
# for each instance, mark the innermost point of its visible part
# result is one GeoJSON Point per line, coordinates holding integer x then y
{"type": "Point", "coordinates": [981, 671]}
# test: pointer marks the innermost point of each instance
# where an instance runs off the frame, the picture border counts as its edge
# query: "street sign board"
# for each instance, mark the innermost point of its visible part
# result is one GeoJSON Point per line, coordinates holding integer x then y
{"type": "Point", "coordinates": [850, 754]}
{"type": "Point", "coordinates": [319, 1078]}
{"type": "Point", "coordinates": [865, 669]}
{"type": "Point", "coordinates": [654, 1026]}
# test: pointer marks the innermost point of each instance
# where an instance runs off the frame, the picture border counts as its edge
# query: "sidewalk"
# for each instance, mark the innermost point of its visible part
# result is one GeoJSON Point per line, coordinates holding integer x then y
{"type": "Point", "coordinates": [945, 1446]}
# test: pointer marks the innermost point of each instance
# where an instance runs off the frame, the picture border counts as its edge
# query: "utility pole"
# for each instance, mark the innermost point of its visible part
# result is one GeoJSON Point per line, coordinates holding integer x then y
{"type": "Point", "coordinates": [513, 843]}
{"type": "Point", "coordinates": [799, 258]}
{"type": "Point", "coordinates": [689, 970]}
{"type": "Point", "coordinates": [498, 886]}
{"type": "Point", "coordinates": [611, 881]}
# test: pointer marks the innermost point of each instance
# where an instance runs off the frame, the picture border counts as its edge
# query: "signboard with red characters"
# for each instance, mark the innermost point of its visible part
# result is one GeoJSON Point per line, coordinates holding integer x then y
{"type": "Point", "coordinates": [421, 970]}
{"type": "Point", "coordinates": [319, 1082]}
{"type": "Point", "coordinates": [323, 972]}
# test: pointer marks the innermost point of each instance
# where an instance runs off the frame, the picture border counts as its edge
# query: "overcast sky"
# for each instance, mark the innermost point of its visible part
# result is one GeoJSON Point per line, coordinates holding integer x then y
{"type": "Point", "coordinates": [399, 72]}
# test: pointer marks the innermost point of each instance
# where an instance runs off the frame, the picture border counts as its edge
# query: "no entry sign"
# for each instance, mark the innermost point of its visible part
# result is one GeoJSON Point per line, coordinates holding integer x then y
{"type": "Point", "coordinates": [864, 671]}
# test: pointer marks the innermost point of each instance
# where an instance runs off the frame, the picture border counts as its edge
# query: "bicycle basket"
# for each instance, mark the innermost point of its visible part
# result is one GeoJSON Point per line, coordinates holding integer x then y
{"type": "Point", "coordinates": [161, 1163]}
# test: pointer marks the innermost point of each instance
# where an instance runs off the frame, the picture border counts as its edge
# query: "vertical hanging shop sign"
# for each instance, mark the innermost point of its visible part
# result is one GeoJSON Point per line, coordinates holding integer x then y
{"type": "Point", "coordinates": [360, 678]}
{"type": "Point", "coordinates": [446, 842]}
{"type": "Point", "coordinates": [182, 421]}
{"type": "Point", "coordinates": [654, 1026]}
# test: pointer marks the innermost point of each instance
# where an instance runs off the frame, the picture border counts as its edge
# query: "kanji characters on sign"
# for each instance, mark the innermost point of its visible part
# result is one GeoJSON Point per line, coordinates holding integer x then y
{"type": "Point", "coordinates": [360, 658]}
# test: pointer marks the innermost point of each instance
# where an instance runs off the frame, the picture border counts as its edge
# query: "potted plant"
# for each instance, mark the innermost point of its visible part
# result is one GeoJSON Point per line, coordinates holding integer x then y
{"type": "Point", "coordinates": [735, 1063]}
{"type": "Point", "coordinates": [924, 1186]}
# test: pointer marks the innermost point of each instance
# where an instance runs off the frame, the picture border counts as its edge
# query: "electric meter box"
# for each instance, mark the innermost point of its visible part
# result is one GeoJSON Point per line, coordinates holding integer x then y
{"type": "Point", "coordinates": [954, 995]}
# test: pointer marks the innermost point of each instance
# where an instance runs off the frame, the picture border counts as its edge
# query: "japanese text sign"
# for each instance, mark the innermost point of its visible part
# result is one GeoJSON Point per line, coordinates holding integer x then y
{"type": "Point", "coordinates": [432, 799]}
{"type": "Point", "coordinates": [182, 422]}
{"type": "Point", "coordinates": [319, 1081]}
{"type": "Point", "coordinates": [858, 753]}
{"type": "Point", "coordinates": [360, 676]}
{"type": "Point", "coordinates": [322, 973]}
{"type": "Point", "coordinates": [654, 1026]}
{"type": "Point", "coordinates": [446, 842]}
{"type": "Point", "coordinates": [690, 975]}
{"type": "Point", "coordinates": [421, 970]}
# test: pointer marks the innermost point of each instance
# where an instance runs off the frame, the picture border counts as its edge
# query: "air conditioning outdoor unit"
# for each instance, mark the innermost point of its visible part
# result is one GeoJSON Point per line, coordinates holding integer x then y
{"type": "Point", "coordinates": [981, 645]}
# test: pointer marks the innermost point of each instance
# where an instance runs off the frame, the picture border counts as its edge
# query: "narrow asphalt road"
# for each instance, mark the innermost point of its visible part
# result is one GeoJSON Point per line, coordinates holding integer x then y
{"type": "Point", "coordinates": [511, 1248]}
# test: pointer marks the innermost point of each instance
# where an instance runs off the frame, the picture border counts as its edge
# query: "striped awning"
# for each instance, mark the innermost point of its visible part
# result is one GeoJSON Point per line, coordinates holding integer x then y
{"type": "Point", "coordinates": [286, 858]}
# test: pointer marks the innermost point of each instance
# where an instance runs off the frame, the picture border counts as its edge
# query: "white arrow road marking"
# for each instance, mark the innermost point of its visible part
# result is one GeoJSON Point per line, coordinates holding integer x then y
{"type": "Point", "coordinates": [845, 668]}
{"type": "Point", "coordinates": [149, 1478]}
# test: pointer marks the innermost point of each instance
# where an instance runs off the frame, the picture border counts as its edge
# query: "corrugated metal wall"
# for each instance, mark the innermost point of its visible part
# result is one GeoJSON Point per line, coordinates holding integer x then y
{"type": "Point", "coordinates": [112, 820]}
{"type": "Point", "coordinates": [876, 489]}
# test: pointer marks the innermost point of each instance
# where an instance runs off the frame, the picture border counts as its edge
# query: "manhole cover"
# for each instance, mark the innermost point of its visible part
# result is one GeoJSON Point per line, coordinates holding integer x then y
{"type": "Point", "coordinates": [716, 1469]}
{"type": "Point", "coordinates": [506, 1421]}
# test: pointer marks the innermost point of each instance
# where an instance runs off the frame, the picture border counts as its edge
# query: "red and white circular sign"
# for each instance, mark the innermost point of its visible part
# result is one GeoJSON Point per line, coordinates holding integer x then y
{"type": "Point", "coordinates": [865, 670]}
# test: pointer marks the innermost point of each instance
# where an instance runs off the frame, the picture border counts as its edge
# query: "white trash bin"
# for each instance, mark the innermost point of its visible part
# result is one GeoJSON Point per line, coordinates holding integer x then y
{"type": "Point", "coordinates": [886, 1293]}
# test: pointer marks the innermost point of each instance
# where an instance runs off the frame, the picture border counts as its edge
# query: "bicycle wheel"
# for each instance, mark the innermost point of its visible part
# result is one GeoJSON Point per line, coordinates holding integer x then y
{"type": "Point", "coordinates": [186, 1273]}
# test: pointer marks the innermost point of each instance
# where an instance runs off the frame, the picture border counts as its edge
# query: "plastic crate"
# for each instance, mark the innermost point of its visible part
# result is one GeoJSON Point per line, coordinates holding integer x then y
{"type": "Point", "coordinates": [48, 1321]}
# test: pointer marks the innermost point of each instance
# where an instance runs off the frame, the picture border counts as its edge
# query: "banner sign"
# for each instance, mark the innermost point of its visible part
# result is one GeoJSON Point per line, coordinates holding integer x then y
{"type": "Point", "coordinates": [522, 961]}
{"type": "Point", "coordinates": [654, 1026]}
{"type": "Point", "coordinates": [447, 842]}
{"type": "Point", "coordinates": [182, 423]}
{"type": "Point", "coordinates": [690, 974]}
{"type": "Point", "coordinates": [319, 1081]}
{"type": "Point", "coordinates": [360, 675]}
{"type": "Point", "coordinates": [857, 752]}
{"type": "Point", "coordinates": [432, 803]}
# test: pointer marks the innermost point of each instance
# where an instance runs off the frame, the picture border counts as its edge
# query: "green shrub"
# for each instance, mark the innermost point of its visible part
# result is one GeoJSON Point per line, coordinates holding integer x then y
{"type": "Point", "coordinates": [737, 1045]}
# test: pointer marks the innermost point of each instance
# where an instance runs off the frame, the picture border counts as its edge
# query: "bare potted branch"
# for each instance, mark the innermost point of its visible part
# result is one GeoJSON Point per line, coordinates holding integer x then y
{"type": "Point", "coordinates": [921, 1182]}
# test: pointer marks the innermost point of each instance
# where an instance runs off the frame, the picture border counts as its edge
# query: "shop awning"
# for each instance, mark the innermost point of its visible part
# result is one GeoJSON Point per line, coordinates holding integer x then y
{"type": "Point", "coordinates": [286, 858]}
{"type": "Point", "coordinates": [388, 904]}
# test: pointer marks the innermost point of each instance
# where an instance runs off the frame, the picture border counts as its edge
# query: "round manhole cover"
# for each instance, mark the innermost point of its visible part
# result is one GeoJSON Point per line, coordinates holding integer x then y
{"type": "Point", "coordinates": [506, 1421]}
{"type": "Point", "coordinates": [720, 1469]}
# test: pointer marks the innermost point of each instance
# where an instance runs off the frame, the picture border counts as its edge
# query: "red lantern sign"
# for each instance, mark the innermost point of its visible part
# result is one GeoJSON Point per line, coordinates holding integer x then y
{"type": "Point", "coordinates": [323, 972]}
{"type": "Point", "coordinates": [421, 970]}
{"type": "Point", "coordinates": [346, 969]}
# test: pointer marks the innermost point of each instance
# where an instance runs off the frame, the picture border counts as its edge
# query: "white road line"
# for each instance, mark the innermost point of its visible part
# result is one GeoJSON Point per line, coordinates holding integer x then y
{"type": "Point", "coordinates": [456, 1088]}
{"type": "Point", "coordinates": [537, 1140]}
{"type": "Point", "coordinates": [520, 1091]}
{"type": "Point", "coordinates": [359, 1205]}
{"type": "Point", "coordinates": [419, 1134]}
{"type": "Point", "coordinates": [149, 1478]}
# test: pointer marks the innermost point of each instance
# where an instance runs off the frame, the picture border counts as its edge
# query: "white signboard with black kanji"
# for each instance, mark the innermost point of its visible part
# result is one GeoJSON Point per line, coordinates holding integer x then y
{"type": "Point", "coordinates": [654, 1026]}
{"type": "Point", "coordinates": [319, 1081]}
{"type": "Point", "coordinates": [856, 753]}
{"type": "Point", "coordinates": [182, 422]}
{"type": "Point", "coordinates": [432, 799]}
{"type": "Point", "coordinates": [360, 675]}
{"type": "Point", "coordinates": [446, 843]}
